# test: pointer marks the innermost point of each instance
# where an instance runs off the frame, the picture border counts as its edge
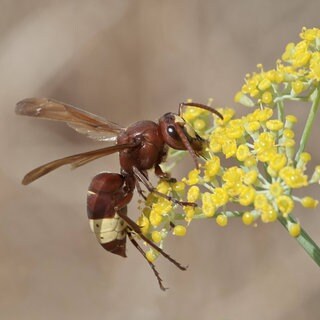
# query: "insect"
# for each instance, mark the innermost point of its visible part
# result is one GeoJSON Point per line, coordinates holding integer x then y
{"type": "Point", "coordinates": [141, 146]}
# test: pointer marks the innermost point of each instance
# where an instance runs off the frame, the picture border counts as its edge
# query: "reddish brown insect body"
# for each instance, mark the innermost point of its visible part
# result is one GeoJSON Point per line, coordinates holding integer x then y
{"type": "Point", "coordinates": [108, 194]}
{"type": "Point", "coordinates": [141, 146]}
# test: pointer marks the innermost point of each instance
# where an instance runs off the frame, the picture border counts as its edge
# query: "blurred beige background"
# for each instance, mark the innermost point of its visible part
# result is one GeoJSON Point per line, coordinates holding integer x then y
{"type": "Point", "coordinates": [127, 61]}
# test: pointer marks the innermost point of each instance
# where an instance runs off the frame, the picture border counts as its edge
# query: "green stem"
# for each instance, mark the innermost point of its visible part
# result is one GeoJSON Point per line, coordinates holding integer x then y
{"type": "Point", "coordinates": [307, 129]}
{"type": "Point", "coordinates": [280, 108]}
{"type": "Point", "coordinates": [305, 241]}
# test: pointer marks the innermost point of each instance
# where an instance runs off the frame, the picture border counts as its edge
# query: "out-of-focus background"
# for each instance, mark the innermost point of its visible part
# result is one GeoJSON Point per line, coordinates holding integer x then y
{"type": "Point", "coordinates": [128, 61]}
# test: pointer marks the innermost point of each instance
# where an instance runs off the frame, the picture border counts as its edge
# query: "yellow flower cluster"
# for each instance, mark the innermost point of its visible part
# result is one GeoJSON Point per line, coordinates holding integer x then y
{"type": "Point", "coordinates": [253, 164]}
{"type": "Point", "coordinates": [265, 173]}
{"type": "Point", "coordinates": [296, 75]}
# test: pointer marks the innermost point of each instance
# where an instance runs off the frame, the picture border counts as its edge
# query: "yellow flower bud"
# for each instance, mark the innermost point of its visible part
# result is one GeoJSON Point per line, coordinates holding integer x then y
{"type": "Point", "coordinates": [309, 202]}
{"type": "Point", "coordinates": [274, 125]}
{"type": "Point", "coordinates": [222, 220]}
{"type": "Point", "coordinates": [243, 152]}
{"type": "Point", "coordinates": [151, 255]}
{"type": "Point", "coordinates": [179, 230]}
{"type": "Point", "coordinates": [285, 204]}
{"type": "Point", "coordinates": [267, 97]}
{"type": "Point", "coordinates": [156, 236]}
{"type": "Point", "coordinates": [178, 187]}
{"type": "Point", "coordinates": [247, 218]}
{"type": "Point", "coordinates": [193, 194]}
{"type": "Point", "coordinates": [294, 229]}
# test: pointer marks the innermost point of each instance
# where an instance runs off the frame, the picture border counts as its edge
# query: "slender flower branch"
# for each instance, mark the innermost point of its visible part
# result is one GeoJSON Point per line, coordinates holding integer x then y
{"type": "Point", "coordinates": [308, 127]}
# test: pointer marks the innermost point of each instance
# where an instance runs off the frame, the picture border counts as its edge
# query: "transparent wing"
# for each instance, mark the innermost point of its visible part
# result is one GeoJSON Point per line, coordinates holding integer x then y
{"type": "Point", "coordinates": [93, 126]}
{"type": "Point", "coordinates": [76, 161]}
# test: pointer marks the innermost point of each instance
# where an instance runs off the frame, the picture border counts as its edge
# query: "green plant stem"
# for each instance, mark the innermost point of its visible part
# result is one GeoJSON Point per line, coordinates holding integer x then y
{"type": "Point", "coordinates": [307, 129]}
{"type": "Point", "coordinates": [280, 107]}
{"type": "Point", "coordinates": [305, 241]}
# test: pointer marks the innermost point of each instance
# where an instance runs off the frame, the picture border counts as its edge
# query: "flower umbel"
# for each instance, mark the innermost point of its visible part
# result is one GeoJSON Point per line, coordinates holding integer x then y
{"type": "Point", "coordinates": [266, 163]}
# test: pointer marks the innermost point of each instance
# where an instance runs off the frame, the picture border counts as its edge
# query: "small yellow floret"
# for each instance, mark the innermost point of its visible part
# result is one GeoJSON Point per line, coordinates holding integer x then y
{"type": "Point", "coordinates": [179, 230]}
{"type": "Point", "coordinates": [268, 214]}
{"type": "Point", "coordinates": [193, 194]}
{"type": "Point", "coordinates": [267, 97]}
{"type": "Point", "coordinates": [247, 218]}
{"type": "Point", "coordinates": [212, 167]}
{"type": "Point", "coordinates": [222, 220]}
{"type": "Point", "coordinates": [219, 197]}
{"type": "Point", "coordinates": [155, 218]}
{"type": "Point", "coordinates": [290, 121]}
{"type": "Point", "coordinates": [294, 229]}
{"type": "Point", "coordinates": [156, 236]}
{"type": "Point", "coordinates": [178, 187]}
{"type": "Point", "coordinates": [151, 255]}
{"type": "Point", "coordinates": [309, 202]}
{"type": "Point", "coordinates": [288, 134]}
{"type": "Point", "coordinates": [208, 207]}
{"type": "Point", "coordinates": [163, 187]}
{"type": "Point", "coordinates": [278, 161]}
{"type": "Point", "coordinates": [193, 177]}
{"type": "Point", "coordinates": [247, 195]}
{"type": "Point", "coordinates": [264, 84]}
{"type": "Point", "coordinates": [250, 177]}
{"type": "Point", "coordinates": [274, 125]}
{"type": "Point", "coordinates": [243, 152]}
{"type": "Point", "coordinates": [285, 204]}
{"type": "Point", "coordinates": [305, 157]}
{"type": "Point", "coordinates": [276, 189]}
{"type": "Point", "coordinates": [294, 178]}
{"type": "Point", "coordinates": [143, 223]}
{"type": "Point", "coordinates": [297, 86]}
